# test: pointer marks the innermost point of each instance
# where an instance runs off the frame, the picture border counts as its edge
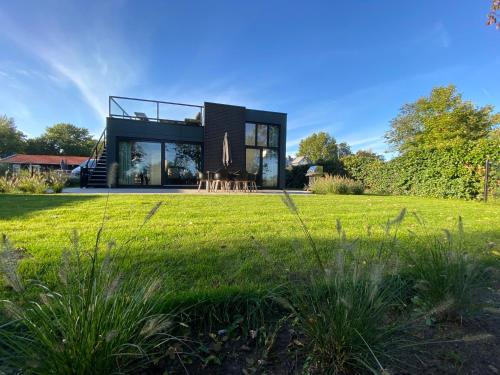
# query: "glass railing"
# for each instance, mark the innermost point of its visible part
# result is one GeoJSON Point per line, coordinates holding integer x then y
{"type": "Point", "coordinates": [156, 111]}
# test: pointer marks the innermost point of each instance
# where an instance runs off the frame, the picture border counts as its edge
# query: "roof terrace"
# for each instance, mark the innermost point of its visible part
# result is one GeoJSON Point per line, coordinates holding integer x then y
{"type": "Point", "coordinates": [155, 111]}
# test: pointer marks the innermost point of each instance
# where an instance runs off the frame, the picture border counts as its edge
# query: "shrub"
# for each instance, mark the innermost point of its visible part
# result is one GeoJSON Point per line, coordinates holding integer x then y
{"type": "Point", "coordinates": [446, 279]}
{"type": "Point", "coordinates": [57, 182]}
{"type": "Point", "coordinates": [329, 184]}
{"type": "Point", "coordinates": [99, 320]}
{"type": "Point", "coordinates": [343, 309]}
{"type": "Point", "coordinates": [34, 183]}
{"type": "Point", "coordinates": [7, 184]}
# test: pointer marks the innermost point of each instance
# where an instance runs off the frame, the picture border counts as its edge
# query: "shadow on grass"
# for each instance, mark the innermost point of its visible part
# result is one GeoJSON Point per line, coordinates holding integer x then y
{"type": "Point", "coordinates": [247, 265]}
{"type": "Point", "coordinates": [20, 205]}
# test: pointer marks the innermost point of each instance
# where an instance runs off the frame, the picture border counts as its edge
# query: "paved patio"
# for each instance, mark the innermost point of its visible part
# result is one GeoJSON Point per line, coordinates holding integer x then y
{"type": "Point", "coordinates": [74, 190]}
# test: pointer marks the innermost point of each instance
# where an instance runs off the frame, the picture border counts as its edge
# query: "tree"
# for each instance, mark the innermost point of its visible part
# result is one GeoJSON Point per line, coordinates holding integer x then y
{"type": "Point", "coordinates": [63, 139]}
{"type": "Point", "coordinates": [344, 150]}
{"type": "Point", "coordinates": [440, 120]}
{"type": "Point", "coordinates": [11, 140]}
{"type": "Point", "coordinates": [492, 16]}
{"type": "Point", "coordinates": [318, 147]}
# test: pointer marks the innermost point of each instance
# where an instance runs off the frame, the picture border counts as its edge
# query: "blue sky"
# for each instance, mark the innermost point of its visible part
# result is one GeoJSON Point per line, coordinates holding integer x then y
{"type": "Point", "coordinates": [344, 67]}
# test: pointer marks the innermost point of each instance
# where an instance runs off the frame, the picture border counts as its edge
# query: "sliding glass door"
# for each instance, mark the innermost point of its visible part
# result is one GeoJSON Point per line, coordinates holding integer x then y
{"type": "Point", "coordinates": [140, 163]}
{"type": "Point", "coordinates": [182, 162]}
{"type": "Point", "coordinates": [158, 163]}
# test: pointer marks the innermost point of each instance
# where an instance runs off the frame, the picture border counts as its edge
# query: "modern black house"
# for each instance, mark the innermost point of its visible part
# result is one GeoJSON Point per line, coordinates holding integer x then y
{"type": "Point", "coordinates": [164, 144]}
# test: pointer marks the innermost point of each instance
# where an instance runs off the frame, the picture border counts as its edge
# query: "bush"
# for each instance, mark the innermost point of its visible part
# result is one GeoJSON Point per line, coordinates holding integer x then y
{"type": "Point", "coordinates": [34, 183]}
{"type": "Point", "coordinates": [99, 320]}
{"type": "Point", "coordinates": [445, 278]}
{"type": "Point", "coordinates": [454, 172]}
{"type": "Point", "coordinates": [295, 177]}
{"type": "Point", "coordinates": [329, 184]}
{"type": "Point", "coordinates": [343, 309]}
{"type": "Point", "coordinates": [57, 182]}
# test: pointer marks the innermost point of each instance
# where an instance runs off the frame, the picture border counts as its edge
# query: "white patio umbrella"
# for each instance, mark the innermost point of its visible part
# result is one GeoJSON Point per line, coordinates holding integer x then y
{"type": "Point", "coordinates": [226, 152]}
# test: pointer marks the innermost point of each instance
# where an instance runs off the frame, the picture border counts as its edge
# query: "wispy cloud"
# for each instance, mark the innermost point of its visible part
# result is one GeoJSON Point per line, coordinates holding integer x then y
{"type": "Point", "coordinates": [93, 66]}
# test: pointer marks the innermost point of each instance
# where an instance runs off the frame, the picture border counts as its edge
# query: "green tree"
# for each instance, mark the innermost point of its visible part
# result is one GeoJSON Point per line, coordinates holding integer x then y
{"type": "Point", "coordinates": [12, 140]}
{"type": "Point", "coordinates": [63, 139]}
{"type": "Point", "coordinates": [441, 120]}
{"type": "Point", "coordinates": [492, 16]}
{"type": "Point", "coordinates": [344, 150]}
{"type": "Point", "coordinates": [318, 147]}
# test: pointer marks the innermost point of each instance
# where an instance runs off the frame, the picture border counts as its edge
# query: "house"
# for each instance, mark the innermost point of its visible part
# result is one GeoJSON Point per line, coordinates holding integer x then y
{"type": "Point", "coordinates": [42, 163]}
{"type": "Point", "coordinates": [300, 160]}
{"type": "Point", "coordinates": [164, 144]}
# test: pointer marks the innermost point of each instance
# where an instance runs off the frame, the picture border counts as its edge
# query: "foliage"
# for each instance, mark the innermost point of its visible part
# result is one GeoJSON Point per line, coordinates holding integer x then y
{"type": "Point", "coordinates": [62, 139]}
{"type": "Point", "coordinates": [344, 149]}
{"type": "Point", "coordinates": [331, 184]}
{"type": "Point", "coordinates": [12, 141]}
{"type": "Point", "coordinates": [441, 120]}
{"type": "Point", "coordinates": [295, 177]}
{"type": "Point", "coordinates": [361, 166]}
{"type": "Point", "coordinates": [446, 277]}
{"type": "Point", "coordinates": [318, 147]}
{"type": "Point", "coordinates": [32, 182]}
{"type": "Point", "coordinates": [99, 320]}
{"type": "Point", "coordinates": [343, 308]}
{"type": "Point", "coordinates": [57, 181]}
{"type": "Point", "coordinates": [492, 16]}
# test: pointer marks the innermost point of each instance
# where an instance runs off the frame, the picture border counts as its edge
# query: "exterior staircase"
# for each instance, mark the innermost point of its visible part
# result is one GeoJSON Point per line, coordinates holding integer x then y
{"type": "Point", "coordinates": [98, 176]}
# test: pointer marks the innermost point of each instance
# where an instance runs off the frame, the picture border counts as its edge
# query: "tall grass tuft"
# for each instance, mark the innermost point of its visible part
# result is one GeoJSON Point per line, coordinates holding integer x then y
{"type": "Point", "coordinates": [57, 181]}
{"type": "Point", "coordinates": [34, 183]}
{"type": "Point", "coordinates": [344, 311]}
{"type": "Point", "coordinates": [330, 184]}
{"type": "Point", "coordinates": [446, 277]}
{"type": "Point", "coordinates": [98, 321]}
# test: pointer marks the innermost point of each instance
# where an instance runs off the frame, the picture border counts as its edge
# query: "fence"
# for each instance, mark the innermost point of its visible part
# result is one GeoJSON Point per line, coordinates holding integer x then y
{"type": "Point", "coordinates": [491, 180]}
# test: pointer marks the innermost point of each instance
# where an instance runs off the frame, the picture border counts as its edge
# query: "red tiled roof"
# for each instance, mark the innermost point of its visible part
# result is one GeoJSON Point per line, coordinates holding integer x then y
{"type": "Point", "coordinates": [43, 159]}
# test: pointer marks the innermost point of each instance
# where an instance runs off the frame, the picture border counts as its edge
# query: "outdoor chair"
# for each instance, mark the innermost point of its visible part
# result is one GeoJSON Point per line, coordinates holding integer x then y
{"type": "Point", "coordinates": [241, 183]}
{"type": "Point", "coordinates": [221, 181]}
{"type": "Point", "coordinates": [252, 182]}
{"type": "Point", "coordinates": [202, 178]}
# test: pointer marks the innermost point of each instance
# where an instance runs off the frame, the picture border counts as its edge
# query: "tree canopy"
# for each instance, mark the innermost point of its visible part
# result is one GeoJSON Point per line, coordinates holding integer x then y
{"type": "Point", "coordinates": [318, 147]}
{"type": "Point", "coordinates": [62, 139]}
{"type": "Point", "coordinates": [441, 120]}
{"type": "Point", "coordinates": [12, 140]}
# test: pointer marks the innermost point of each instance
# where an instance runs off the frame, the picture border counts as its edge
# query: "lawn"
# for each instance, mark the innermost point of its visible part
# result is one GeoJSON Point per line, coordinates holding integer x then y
{"type": "Point", "coordinates": [205, 242]}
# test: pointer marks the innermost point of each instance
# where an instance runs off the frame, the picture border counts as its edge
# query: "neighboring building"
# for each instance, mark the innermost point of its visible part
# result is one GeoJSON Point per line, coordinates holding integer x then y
{"type": "Point", "coordinates": [168, 145]}
{"type": "Point", "coordinates": [41, 163]}
{"type": "Point", "coordinates": [300, 160]}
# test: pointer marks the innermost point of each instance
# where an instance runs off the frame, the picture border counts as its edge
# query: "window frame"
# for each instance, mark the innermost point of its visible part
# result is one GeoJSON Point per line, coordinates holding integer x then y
{"type": "Point", "coordinates": [267, 146]}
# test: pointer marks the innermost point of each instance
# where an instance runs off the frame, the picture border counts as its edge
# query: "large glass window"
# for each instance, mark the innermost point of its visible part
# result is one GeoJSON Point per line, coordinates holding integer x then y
{"type": "Point", "coordinates": [269, 167]}
{"type": "Point", "coordinates": [182, 162]}
{"type": "Point", "coordinates": [253, 160]}
{"type": "Point", "coordinates": [250, 134]}
{"type": "Point", "coordinates": [274, 136]}
{"type": "Point", "coordinates": [262, 135]}
{"type": "Point", "coordinates": [139, 163]}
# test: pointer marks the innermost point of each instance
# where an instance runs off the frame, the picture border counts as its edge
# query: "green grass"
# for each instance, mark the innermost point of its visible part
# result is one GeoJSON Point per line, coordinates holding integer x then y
{"type": "Point", "coordinates": [204, 242]}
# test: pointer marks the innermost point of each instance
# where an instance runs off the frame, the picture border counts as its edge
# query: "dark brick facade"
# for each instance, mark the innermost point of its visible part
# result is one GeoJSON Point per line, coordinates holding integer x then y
{"type": "Point", "coordinates": [221, 118]}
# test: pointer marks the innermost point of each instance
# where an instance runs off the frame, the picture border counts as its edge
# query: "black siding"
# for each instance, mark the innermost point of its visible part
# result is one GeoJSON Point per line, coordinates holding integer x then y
{"type": "Point", "coordinates": [221, 118]}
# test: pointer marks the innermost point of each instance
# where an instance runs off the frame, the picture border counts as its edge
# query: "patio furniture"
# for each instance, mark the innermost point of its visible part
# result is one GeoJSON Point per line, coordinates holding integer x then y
{"type": "Point", "coordinates": [252, 182]}
{"type": "Point", "coordinates": [203, 178]}
{"type": "Point", "coordinates": [221, 181]}
{"type": "Point", "coordinates": [241, 182]}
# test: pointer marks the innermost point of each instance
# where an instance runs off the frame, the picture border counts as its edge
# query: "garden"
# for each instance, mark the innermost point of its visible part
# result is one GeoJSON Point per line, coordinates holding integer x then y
{"type": "Point", "coordinates": [248, 284]}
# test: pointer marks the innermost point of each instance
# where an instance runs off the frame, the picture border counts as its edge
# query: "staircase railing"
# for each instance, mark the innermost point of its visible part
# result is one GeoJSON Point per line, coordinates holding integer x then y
{"type": "Point", "coordinates": [90, 165]}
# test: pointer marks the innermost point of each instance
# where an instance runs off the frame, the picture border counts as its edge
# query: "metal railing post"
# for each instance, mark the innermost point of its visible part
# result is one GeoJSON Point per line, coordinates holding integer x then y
{"type": "Point", "coordinates": [486, 178]}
